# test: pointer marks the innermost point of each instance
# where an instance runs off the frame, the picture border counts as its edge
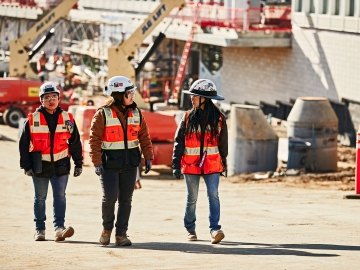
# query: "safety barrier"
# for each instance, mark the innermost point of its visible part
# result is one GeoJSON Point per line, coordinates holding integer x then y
{"type": "Point", "coordinates": [161, 126]}
{"type": "Point", "coordinates": [357, 170]}
{"type": "Point", "coordinates": [83, 116]}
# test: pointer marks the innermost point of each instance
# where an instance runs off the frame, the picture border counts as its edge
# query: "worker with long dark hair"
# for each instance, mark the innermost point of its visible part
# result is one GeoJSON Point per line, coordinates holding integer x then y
{"type": "Point", "coordinates": [118, 131]}
{"type": "Point", "coordinates": [200, 150]}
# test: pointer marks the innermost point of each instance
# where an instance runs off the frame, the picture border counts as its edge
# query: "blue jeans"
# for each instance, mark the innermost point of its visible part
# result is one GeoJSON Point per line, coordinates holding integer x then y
{"type": "Point", "coordinates": [212, 184]}
{"type": "Point", "coordinates": [58, 184]}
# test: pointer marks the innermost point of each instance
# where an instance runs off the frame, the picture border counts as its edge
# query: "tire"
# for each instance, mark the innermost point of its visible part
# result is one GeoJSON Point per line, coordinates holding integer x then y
{"type": "Point", "coordinates": [12, 116]}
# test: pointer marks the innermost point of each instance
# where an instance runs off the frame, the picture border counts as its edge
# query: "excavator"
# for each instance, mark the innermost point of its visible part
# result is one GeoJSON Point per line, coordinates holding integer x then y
{"type": "Point", "coordinates": [162, 125]}
{"type": "Point", "coordinates": [19, 93]}
{"type": "Point", "coordinates": [21, 54]}
{"type": "Point", "coordinates": [120, 56]}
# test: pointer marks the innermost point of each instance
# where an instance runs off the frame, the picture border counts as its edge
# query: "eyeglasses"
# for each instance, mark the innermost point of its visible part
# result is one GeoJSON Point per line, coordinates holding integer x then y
{"type": "Point", "coordinates": [131, 93]}
{"type": "Point", "coordinates": [52, 97]}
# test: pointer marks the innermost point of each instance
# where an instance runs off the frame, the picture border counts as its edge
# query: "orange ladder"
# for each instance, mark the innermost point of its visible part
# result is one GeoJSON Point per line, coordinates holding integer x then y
{"type": "Point", "coordinates": [184, 59]}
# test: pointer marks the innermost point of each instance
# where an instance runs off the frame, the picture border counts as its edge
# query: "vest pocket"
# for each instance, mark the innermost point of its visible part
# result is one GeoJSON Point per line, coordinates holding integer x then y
{"type": "Point", "coordinates": [41, 144]}
{"type": "Point", "coordinates": [112, 134]}
{"type": "Point", "coordinates": [63, 139]}
{"type": "Point", "coordinates": [212, 165]}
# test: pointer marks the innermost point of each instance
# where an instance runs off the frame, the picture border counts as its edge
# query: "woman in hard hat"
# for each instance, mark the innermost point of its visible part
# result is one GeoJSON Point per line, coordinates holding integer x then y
{"type": "Point", "coordinates": [48, 140]}
{"type": "Point", "coordinates": [200, 150]}
{"type": "Point", "coordinates": [117, 130]}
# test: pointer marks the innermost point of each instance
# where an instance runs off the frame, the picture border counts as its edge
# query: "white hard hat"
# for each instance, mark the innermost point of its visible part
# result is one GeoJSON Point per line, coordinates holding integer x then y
{"type": "Point", "coordinates": [49, 87]}
{"type": "Point", "coordinates": [204, 88]}
{"type": "Point", "coordinates": [118, 84]}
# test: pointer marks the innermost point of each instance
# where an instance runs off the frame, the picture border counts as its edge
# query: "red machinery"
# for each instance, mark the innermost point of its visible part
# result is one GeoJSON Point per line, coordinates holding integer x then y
{"type": "Point", "coordinates": [19, 97]}
{"type": "Point", "coordinates": [162, 129]}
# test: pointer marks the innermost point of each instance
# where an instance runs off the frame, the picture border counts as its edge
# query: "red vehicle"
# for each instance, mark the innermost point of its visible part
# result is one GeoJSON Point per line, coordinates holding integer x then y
{"type": "Point", "coordinates": [19, 97]}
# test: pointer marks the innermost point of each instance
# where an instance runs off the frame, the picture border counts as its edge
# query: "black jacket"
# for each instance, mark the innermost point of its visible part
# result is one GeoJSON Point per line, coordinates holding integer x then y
{"type": "Point", "coordinates": [61, 166]}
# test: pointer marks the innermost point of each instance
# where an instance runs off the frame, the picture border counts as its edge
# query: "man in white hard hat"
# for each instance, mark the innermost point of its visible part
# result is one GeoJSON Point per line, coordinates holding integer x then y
{"type": "Point", "coordinates": [47, 142]}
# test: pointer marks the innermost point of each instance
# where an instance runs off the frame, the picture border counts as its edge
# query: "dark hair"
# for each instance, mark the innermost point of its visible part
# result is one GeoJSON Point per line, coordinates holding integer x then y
{"type": "Point", "coordinates": [202, 118]}
{"type": "Point", "coordinates": [117, 98]}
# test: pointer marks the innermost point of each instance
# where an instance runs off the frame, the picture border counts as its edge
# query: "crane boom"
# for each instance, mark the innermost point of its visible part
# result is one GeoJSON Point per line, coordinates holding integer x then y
{"type": "Point", "coordinates": [19, 59]}
{"type": "Point", "coordinates": [118, 56]}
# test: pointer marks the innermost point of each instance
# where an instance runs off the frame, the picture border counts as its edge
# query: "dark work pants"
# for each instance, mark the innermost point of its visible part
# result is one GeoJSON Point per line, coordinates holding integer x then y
{"type": "Point", "coordinates": [117, 186]}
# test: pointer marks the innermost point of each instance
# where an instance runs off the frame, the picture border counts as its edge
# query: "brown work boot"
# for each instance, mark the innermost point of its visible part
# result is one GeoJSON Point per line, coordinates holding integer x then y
{"type": "Point", "coordinates": [105, 237]}
{"type": "Point", "coordinates": [217, 236]}
{"type": "Point", "coordinates": [62, 233]}
{"type": "Point", "coordinates": [192, 236]}
{"type": "Point", "coordinates": [122, 240]}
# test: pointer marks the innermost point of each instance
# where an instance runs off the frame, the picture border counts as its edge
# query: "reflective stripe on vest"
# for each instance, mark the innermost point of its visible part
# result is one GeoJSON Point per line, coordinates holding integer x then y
{"type": "Point", "coordinates": [193, 151]}
{"type": "Point", "coordinates": [113, 136]}
{"type": "Point", "coordinates": [40, 136]}
{"type": "Point", "coordinates": [211, 163]}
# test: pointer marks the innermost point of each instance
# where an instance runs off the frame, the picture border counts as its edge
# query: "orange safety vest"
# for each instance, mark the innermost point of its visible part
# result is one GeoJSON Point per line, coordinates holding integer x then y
{"type": "Point", "coordinates": [40, 136]}
{"type": "Point", "coordinates": [211, 161]}
{"type": "Point", "coordinates": [113, 136]}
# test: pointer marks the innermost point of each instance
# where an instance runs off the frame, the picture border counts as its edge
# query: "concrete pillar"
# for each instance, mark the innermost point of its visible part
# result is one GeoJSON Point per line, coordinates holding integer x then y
{"type": "Point", "coordinates": [357, 8]}
{"type": "Point", "coordinates": [305, 6]}
{"type": "Point", "coordinates": [253, 143]}
{"type": "Point", "coordinates": [319, 6]}
{"type": "Point", "coordinates": [332, 7]}
{"type": "Point", "coordinates": [344, 7]}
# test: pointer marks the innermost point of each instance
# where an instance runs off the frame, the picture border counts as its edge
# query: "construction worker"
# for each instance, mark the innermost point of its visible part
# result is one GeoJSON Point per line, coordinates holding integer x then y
{"type": "Point", "coordinates": [47, 141]}
{"type": "Point", "coordinates": [68, 73]}
{"type": "Point", "coordinates": [117, 130]}
{"type": "Point", "coordinates": [200, 150]}
{"type": "Point", "coordinates": [41, 66]}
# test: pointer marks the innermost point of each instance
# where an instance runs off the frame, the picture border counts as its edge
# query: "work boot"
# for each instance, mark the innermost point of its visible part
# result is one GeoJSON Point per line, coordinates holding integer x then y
{"type": "Point", "coordinates": [192, 236]}
{"type": "Point", "coordinates": [217, 236]}
{"type": "Point", "coordinates": [39, 235]}
{"type": "Point", "coordinates": [105, 237]}
{"type": "Point", "coordinates": [122, 240]}
{"type": "Point", "coordinates": [62, 233]}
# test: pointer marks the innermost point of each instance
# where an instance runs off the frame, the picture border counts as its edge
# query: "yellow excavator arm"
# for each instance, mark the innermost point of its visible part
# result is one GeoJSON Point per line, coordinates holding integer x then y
{"type": "Point", "coordinates": [118, 56]}
{"type": "Point", "coordinates": [19, 65]}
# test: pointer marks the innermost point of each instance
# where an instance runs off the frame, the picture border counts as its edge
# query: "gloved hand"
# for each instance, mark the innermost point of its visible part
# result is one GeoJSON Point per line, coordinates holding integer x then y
{"type": "Point", "coordinates": [148, 164]}
{"type": "Point", "coordinates": [99, 170]}
{"type": "Point", "coordinates": [177, 173]}
{"type": "Point", "coordinates": [29, 172]}
{"type": "Point", "coordinates": [77, 171]}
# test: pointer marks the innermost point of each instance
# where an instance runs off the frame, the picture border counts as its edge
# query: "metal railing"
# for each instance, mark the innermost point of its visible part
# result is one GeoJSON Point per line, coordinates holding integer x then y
{"type": "Point", "coordinates": [276, 18]}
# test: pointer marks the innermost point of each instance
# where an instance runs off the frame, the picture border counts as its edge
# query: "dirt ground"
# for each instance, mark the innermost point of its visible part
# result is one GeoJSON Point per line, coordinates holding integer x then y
{"type": "Point", "coordinates": [343, 179]}
{"type": "Point", "coordinates": [297, 222]}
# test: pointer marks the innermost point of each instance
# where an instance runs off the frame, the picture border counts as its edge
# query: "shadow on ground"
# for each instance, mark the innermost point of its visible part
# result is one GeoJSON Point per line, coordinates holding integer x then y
{"type": "Point", "coordinates": [236, 248]}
